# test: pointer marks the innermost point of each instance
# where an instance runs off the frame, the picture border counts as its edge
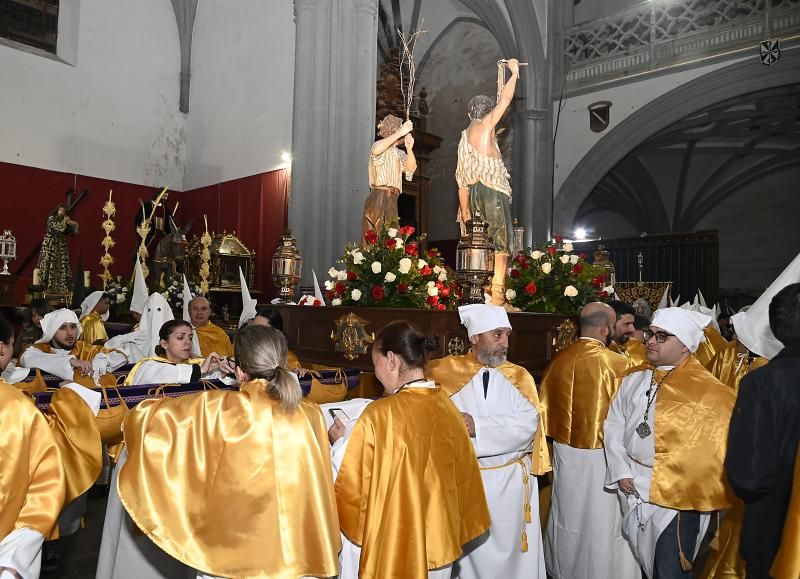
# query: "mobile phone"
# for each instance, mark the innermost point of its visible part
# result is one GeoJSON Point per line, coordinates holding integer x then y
{"type": "Point", "coordinates": [340, 414]}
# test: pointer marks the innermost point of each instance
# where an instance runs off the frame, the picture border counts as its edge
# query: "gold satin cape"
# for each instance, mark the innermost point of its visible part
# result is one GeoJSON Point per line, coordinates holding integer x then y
{"type": "Point", "coordinates": [35, 384]}
{"type": "Point", "coordinates": [729, 368]}
{"type": "Point", "coordinates": [409, 490]}
{"type": "Point", "coordinates": [212, 338]}
{"type": "Point", "coordinates": [576, 391]}
{"type": "Point", "coordinates": [708, 348]}
{"type": "Point", "coordinates": [93, 328]}
{"type": "Point", "coordinates": [787, 562]}
{"type": "Point", "coordinates": [693, 412]}
{"type": "Point", "coordinates": [455, 372]}
{"type": "Point", "coordinates": [31, 471]}
{"type": "Point", "coordinates": [232, 484]}
{"type": "Point", "coordinates": [633, 349]}
{"type": "Point", "coordinates": [85, 351]}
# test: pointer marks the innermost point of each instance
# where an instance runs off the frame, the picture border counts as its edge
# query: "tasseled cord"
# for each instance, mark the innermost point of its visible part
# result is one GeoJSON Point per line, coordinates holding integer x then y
{"type": "Point", "coordinates": [714, 543]}
{"type": "Point", "coordinates": [526, 507]}
{"type": "Point", "coordinates": [686, 565]}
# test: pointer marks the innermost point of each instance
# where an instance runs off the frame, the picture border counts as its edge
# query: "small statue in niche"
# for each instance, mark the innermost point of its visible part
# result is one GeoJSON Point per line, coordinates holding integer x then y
{"type": "Point", "coordinates": [54, 264]}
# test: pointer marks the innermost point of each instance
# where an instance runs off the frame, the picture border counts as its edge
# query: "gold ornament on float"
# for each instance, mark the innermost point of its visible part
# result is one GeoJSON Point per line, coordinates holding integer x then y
{"type": "Point", "coordinates": [109, 210]}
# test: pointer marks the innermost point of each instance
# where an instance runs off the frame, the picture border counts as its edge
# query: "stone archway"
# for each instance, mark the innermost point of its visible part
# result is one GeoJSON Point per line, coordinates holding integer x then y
{"type": "Point", "coordinates": [733, 80]}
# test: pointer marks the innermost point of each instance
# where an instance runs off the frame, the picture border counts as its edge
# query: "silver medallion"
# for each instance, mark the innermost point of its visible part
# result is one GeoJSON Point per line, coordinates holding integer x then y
{"type": "Point", "coordinates": [643, 430]}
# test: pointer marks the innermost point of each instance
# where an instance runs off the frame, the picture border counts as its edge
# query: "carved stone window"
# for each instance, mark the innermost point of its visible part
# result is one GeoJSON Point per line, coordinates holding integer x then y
{"type": "Point", "coordinates": [30, 22]}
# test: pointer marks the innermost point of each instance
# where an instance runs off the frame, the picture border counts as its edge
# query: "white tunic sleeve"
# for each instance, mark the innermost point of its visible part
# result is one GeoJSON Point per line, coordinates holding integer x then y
{"type": "Point", "coordinates": [52, 363]}
{"type": "Point", "coordinates": [152, 372]}
{"type": "Point", "coordinates": [510, 430]}
{"type": "Point", "coordinates": [618, 464]}
{"type": "Point", "coordinates": [21, 551]}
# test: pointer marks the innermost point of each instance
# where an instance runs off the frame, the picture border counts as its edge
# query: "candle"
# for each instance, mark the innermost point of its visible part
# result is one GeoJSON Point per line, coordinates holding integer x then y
{"type": "Point", "coordinates": [37, 276]}
{"type": "Point", "coordinates": [87, 278]}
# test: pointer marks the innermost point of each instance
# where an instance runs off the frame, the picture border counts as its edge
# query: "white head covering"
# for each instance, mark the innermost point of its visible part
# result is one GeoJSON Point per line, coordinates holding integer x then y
{"type": "Point", "coordinates": [139, 296]}
{"type": "Point", "coordinates": [54, 320]}
{"type": "Point", "coordinates": [687, 325]}
{"type": "Point", "coordinates": [480, 318]}
{"type": "Point", "coordinates": [752, 326]}
{"type": "Point", "coordinates": [665, 297]}
{"type": "Point", "coordinates": [248, 303]}
{"type": "Point", "coordinates": [187, 297]}
{"type": "Point", "coordinates": [141, 343]}
{"type": "Point", "coordinates": [90, 302]}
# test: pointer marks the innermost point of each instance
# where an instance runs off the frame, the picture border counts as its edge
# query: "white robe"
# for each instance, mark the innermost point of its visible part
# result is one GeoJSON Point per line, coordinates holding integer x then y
{"type": "Point", "coordinates": [584, 530]}
{"type": "Point", "coordinates": [505, 424]}
{"type": "Point", "coordinates": [21, 552]}
{"type": "Point", "coordinates": [57, 363]}
{"type": "Point", "coordinates": [155, 372]}
{"type": "Point", "coordinates": [630, 456]}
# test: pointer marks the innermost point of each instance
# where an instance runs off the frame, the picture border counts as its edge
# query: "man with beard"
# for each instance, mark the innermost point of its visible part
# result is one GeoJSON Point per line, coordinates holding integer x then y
{"type": "Point", "coordinates": [623, 327]}
{"type": "Point", "coordinates": [584, 530]}
{"type": "Point", "coordinates": [501, 411]}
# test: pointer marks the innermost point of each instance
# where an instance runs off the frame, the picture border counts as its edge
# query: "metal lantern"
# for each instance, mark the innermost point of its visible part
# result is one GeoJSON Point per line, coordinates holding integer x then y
{"type": "Point", "coordinates": [601, 259]}
{"type": "Point", "coordinates": [519, 237]}
{"type": "Point", "coordinates": [8, 250]}
{"type": "Point", "coordinates": [287, 267]}
{"type": "Point", "coordinates": [474, 260]}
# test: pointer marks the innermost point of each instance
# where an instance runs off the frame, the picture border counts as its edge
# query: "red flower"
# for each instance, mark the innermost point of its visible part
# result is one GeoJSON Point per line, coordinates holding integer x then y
{"type": "Point", "coordinates": [407, 230]}
{"type": "Point", "coordinates": [438, 284]}
{"type": "Point", "coordinates": [340, 287]}
{"type": "Point", "coordinates": [390, 242]}
{"type": "Point", "coordinates": [317, 302]}
{"type": "Point", "coordinates": [426, 270]}
{"type": "Point", "coordinates": [577, 268]}
{"type": "Point", "coordinates": [411, 249]}
{"type": "Point", "coordinates": [522, 261]}
{"type": "Point", "coordinates": [441, 307]}
{"type": "Point", "coordinates": [582, 256]}
{"type": "Point", "coordinates": [371, 237]}
{"type": "Point", "coordinates": [601, 278]}
{"type": "Point", "coordinates": [433, 300]}
{"type": "Point", "coordinates": [352, 276]}
{"type": "Point", "coordinates": [402, 287]}
{"type": "Point", "coordinates": [433, 253]}
{"type": "Point", "coordinates": [596, 282]}
{"type": "Point", "coordinates": [515, 273]}
{"type": "Point", "coordinates": [377, 293]}
{"type": "Point", "coordinates": [531, 289]}
{"type": "Point", "coordinates": [330, 294]}
{"type": "Point", "coordinates": [603, 294]}
{"type": "Point", "coordinates": [445, 291]}
{"type": "Point", "coordinates": [559, 239]}
{"type": "Point", "coordinates": [551, 250]}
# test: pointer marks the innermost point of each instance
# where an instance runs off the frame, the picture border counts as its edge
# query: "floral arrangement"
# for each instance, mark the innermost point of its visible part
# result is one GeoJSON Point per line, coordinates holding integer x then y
{"type": "Point", "coordinates": [173, 293]}
{"type": "Point", "coordinates": [555, 279]}
{"type": "Point", "coordinates": [120, 294]}
{"type": "Point", "coordinates": [308, 300]}
{"type": "Point", "coordinates": [388, 271]}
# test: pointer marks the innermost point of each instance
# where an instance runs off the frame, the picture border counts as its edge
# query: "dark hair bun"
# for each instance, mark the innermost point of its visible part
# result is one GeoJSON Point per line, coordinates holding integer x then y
{"type": "Point", "coordinates": [430, 343]}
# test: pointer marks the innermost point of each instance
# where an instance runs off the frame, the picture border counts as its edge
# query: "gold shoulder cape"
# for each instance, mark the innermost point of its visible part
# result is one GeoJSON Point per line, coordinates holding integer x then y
{"type": "Point", "coordinates": [576, 390]}
{"type": "Point", "coordinates": [31, 472]}
{"type": "Point", "coordinates": [409, 490]}
{"type": "Point", "coordinates": [84, 351]}
{"type": "Point", "coordinates": [231, 484]}
{"type": "Point", "coordinates": [93, 328]}
{"type": "Point", "coordinates": [455, 372]}
{"type": "Point", "coordinates": [708, 348]}
{"type": "Point", "coordinates": [212, 338]}
{"type": "Point", "coordinates": [693, 412]}
{"type": "Point", "coordinates": [729, 367]}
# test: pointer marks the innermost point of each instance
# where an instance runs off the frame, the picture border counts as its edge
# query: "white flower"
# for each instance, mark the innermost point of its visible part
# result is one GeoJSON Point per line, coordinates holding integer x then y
{"type": "Point", "coordinates": [609, 289]}
{"type": "Point", "coordinates": [120, 298]}
{"type": "Point", "coordinates": [355, 295]}
{"type": "Point", "coordinates": [376, 267]}
{"type": "Point", "coordinates": [568, 246]}
{"type": "Point", "coordinates": [565, 259]}
{"type": "Point", "coordinates": [336, 302]}
{"type": "Point", "coordinates": [390, 277]}
{"type": "Point", "coordinates": [342, 275]}
{"type": "Point", "coordinates": [433, 290]}
{"type": "Point", "coordinates": [536, 254]}
{"type": "Point", "coordinates": [400, 243]}
{"type": "Point", "coordinates": [404, 266]}
{"type": "Point", "coordinates": [422, 263]}
{"type": "Point", "coordinates": [437, 269]}
{"type": "Point", "coordinates": [547, 266]}
{"type": "Point", "coordinates": [431, 283]}
{"type": "Point", "coordinates": [333, 272]}
{"type": "Point", "coordinates": [570, 291]}
{"type": "Point", "coordinates": [510, 294]}
{"type": "Point", "coordinates": [391, 232]}
{"type": "Point", "coordinates": [443, 275]}
{"type": "Point", "coordinates": [574, 259]}
{"type": "Point", "coordinates": [358, 257]}
{"type": "Point", "coordinates": [329, 285]}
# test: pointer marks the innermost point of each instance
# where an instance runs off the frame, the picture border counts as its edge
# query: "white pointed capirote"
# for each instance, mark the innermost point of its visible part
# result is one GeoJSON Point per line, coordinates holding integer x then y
{"type": "Point", "coordinates": [187, 297]}
{"type": "Point", "coordinates": [248, 303]}
{"type": "Point", "coordinates": [701, 298]}
{"type": "Point", "coordinates": [139, 295]}
{"type": "Point", "coordinates": [317, 290]}
{"type": "Point", "coordinates": [665, 298]}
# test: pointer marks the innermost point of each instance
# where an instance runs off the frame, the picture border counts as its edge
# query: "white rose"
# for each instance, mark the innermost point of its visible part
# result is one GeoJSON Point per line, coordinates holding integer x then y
{"type": "Point", "coordinates": [437, 269]}
{"type": "Point", "coordinates": [564, 259]}
{"type": "Point", "coordinates": [574, 259]}
{"type": "Point", "coordinates": [376, 267]}
{"type": "Point", "coordinates": [536, 255]}
{"type": "Point", "coordinates": [342, 275]}
{"type": "Point", "coordinates": [422, 263]}
{"type": "Point", "coordinates": [355, 295]}
{"type": "Point", "coordinates": [336, 302]}
{"type": "Point", "coordinates": [333, 272]}
{"type": "Point", "coordinates": [547, 266]}
{"type": "Point", "coordinates": [570, 291]}
{"type": "Point", "coordinates": [433, 290]}
{"type": "Point", "coordinates": [609, 289]}
{"type": "Point", "coordinates": [358, 257]}
{"type": "Point", "coordinates": [390, 277]}
{"type": "Point", "coordinates": [443, 275]}
{"type": "Point", "coordinates": [391, 232]}
{"type": "Point", "coordinates": [568, 246]}
{"type": "Point", "coordinates": [510, 294]}
{"type": "Point", "coordinates": [404, 266]}
{"type": "Point", "coordinates": [431, 283]}
{"type": "Point", "coordinates": [399, 242]}
{"type": "Point", "coordinates": [329, 285]}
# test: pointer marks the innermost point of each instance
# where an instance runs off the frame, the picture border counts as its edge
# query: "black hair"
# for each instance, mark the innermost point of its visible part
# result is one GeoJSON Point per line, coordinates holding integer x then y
{"type": "Point", "coordinates": [105, 295]}
{"type": "Point", "coordinates": [621, 308]}
{"type": "Point", "coordinates": [6, 331]}
{"type": "Point", "coordinates": [38, 305]}
{"type": "Point", "coordinates": [641, 322]}
{"type": "Point", "coordinates": [784, 315]}
{"type": "Point", "coordinates": [273, 316]}
{"type": "Point", "coordinates": [166, 331]}
{"type": "Point", "coordinates": [407, 341]}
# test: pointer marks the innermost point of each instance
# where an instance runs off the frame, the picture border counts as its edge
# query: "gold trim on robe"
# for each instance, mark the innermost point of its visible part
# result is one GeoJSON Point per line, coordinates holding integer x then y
{"type": "Point", "coordinates": [730, 365]}
{"type": "Point", "coordinates": [576, 391]}
{"type": "Point", "coordinates": [245, 488]}
{"type": "Point", "coordinates": [212, 338]}
{"type": "Point", "coordinates": [455, 372]}
{"type": "Point", "coordinates": [85, 351]}
{"type": "Point", "coordinates": [409, 490]}
{"type": "Point", "coordinates": [34, 385]}
{"type": "Point", "coordinates": [93, 328]}
{"type": "Point", "coordinates": [31, 471]}
{"type": "Point", "coordinates": [708, 348]}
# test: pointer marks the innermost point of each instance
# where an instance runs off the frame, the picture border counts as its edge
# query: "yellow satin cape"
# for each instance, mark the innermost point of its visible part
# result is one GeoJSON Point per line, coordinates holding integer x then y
{"type": "Point", "coordinates": [31, 470]}
{"type": "Point", "coordinates": [212, 338]}
{"type": "Point", "coordinates": [37, 384]}
{"type": "Point", "coordinates": [576, 391]}
{"type": "Point", "coordinates": [633, 349]}
{"type": "Point", "coordinates": [729, 368]}
{"type": "Point", "coordinates": [232, 484]}
{"type": "Point", "coordinates": [130, 377]}
{"type": "Point", "coordinates": [93, 328]}
{"type": "Point", "coordinates": [787, 562]}
{"type": "Point", "coordinates": [693, 412]}
{"type": "Point", "coordinates": [455, 372]}
{"type": "Point", "coordinates": [409, 490]}
{"type": "Point", "coordinates": [708, 348]}
{"type": "Point", "coordinates": [85, 351]}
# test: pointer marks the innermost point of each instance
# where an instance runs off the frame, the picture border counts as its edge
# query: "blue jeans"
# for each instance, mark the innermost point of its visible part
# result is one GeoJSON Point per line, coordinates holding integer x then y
{"type": "Point", "coordinates": [667, 564]}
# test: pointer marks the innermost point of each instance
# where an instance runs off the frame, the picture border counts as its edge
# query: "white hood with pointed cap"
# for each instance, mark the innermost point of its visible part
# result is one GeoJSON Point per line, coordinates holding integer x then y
{"type": "Point", "coordinates": [90, 302]}
{"type": "Point", "coordinates": [54, 320]}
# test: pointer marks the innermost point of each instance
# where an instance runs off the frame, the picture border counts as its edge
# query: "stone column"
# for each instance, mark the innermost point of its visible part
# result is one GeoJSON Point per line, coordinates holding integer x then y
{"type": "Point", "coordinates": [332, 126]}
{"type": "Point", "coordinates": [533, 162]}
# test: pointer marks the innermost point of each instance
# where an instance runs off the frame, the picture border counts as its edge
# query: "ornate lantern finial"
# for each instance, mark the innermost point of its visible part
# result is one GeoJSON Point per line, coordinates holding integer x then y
{"type": "Point", "coordinates": [474, 260]}
{"type": "Point", "coordinates": [287, 267]}
{"type": "Point", "coordinates": [8, 250]}
{"type": "Point", "coordinates": [601, 259]}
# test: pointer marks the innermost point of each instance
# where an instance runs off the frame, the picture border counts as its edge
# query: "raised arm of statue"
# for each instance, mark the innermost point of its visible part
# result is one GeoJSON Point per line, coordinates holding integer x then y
{"type": "Point", "coordinates": [506, 96]}
{"type": "Point", "coordinates": [411, 160]}
{"type": "Point", "coordinates": [383, 145]}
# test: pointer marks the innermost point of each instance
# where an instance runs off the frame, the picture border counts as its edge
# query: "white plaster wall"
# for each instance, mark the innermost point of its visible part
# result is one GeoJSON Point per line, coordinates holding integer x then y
{"type": "Point", "coordinates": [240, 108]}
{"type": "Point", "coordinates": [114, 113]}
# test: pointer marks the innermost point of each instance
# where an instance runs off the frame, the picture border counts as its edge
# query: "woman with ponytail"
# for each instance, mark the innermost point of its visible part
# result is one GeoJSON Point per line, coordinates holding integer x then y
{"type": "Point", "coordinates": [408, 489]}
{"type": "Point", "coordinates": [211, 478]}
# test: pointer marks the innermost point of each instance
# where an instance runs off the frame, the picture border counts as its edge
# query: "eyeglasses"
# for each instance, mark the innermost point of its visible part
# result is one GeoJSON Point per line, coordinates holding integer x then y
{"type": "Point", "coordinates": [660, 337]}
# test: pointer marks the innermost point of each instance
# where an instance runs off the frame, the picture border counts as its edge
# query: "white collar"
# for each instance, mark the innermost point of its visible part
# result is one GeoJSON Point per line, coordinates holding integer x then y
{"type": "Point", "coordinates": [425, 384]}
